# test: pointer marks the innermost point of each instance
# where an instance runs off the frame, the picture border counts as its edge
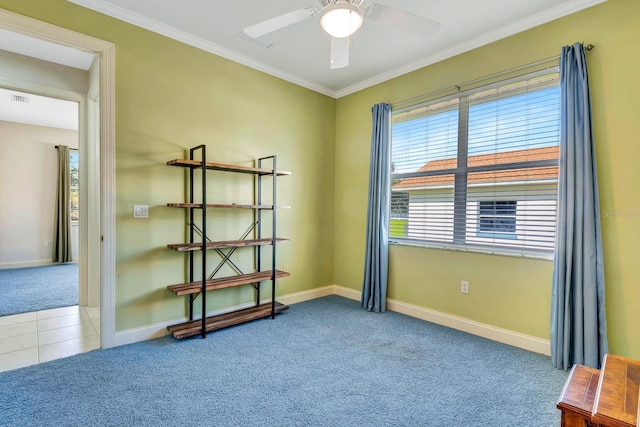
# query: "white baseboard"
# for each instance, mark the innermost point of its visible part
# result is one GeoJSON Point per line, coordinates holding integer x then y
{"type": "Point", "coordinates": [306, 295]}
{"type": "Point", "coordinates": [24, 264]}
{"type": "Point", "coordinates": [347, 292]}
{"type": "Point", "coordinates": [157, 330]}
{"type": "Point", "coordinates": [505, 336]}
{"type": "Point", "coordinates": [143, 333]}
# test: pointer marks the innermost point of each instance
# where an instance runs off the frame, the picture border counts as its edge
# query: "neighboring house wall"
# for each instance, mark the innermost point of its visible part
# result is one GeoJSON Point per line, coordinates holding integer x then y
{"type": "Point", "coordinates": [28, 163]}
{"type": "Point", "coordinates": [535, 219]}
{"type": "Point", "coordinates": [426, 210]}
{"type": "Point", "coordinates": [535, 215]}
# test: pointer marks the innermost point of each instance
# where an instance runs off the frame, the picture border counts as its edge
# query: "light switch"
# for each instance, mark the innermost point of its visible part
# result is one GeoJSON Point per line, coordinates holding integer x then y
{"type": "Point", "coordinates": [140, 211]}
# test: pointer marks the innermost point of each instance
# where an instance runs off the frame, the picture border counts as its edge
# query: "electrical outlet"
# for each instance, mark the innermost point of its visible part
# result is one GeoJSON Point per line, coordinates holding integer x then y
{"type": "Point", "coordinates": [285, 268]}
{"type": "Point", "coordinates": [464, 287]}
{"type": "Point", "coordinates": [47, 243]}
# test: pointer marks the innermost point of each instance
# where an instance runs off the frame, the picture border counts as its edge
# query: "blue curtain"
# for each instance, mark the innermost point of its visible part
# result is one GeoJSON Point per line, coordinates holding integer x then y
{"type": "Point", "coordinates": [376, 264]}
{"type": "Point", "coordinates": [578, 325]}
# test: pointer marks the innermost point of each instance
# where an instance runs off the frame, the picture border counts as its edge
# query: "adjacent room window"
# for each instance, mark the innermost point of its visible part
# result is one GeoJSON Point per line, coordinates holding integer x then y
{"type": "Point", "coordinates": [73, 171]}
{"type": "Point", "coordinates": [479, 170]}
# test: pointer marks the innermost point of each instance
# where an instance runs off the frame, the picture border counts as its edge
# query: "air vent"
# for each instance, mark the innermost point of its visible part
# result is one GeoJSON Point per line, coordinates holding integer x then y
{"type": "Point", "coordinates": [23, 99]}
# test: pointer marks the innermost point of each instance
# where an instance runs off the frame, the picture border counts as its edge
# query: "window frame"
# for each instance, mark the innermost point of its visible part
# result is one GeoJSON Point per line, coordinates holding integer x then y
{"type": "Point", "coordinates": [462, 171]}
{"type": "Point", "coordinates": [494, 215]}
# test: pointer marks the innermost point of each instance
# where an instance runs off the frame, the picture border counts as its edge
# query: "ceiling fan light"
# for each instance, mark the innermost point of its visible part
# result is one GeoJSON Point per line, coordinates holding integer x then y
{"type": "Point", "coordinates": [341, 21]}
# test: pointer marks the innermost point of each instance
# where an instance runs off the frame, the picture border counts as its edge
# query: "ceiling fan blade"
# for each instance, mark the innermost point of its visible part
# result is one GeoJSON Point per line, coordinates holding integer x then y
{"type": "Point", "coordinates": [256, 41]}
{"type": "Point", "coordinates": [339, 52]}
{"type": "Point", "coordinates": [273, 24]}
{"type": "Point", "coordinates": [410, 23]}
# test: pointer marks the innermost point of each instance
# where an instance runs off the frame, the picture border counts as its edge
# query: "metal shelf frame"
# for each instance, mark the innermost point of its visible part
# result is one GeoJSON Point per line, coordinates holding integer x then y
{"type": "Point", "coordinates": [199, 287]}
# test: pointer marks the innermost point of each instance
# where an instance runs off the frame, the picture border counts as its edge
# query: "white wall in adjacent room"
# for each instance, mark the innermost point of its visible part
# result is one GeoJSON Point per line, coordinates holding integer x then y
{"type": "Point", "coordinates": [28, 163]}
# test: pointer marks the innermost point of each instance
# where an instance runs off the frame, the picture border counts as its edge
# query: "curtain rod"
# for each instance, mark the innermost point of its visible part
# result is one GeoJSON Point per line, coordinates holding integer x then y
{"type": "Point", "coordinates": [457, 87]}
{"type": "Point", "coordinates": [70, 148]}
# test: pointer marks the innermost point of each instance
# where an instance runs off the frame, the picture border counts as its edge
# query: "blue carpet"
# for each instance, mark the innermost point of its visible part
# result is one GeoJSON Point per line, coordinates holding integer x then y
{"type": "Point", "coordinates": [38, 288]}
{"type": "Point", "coordinates": [324, 362]}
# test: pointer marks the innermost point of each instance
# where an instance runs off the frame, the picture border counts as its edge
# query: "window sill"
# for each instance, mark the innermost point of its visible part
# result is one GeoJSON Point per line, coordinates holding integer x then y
{"type": "Point", "coordinates": [529, 255]}
{"type": "Point", "coordinates": [489, 235]}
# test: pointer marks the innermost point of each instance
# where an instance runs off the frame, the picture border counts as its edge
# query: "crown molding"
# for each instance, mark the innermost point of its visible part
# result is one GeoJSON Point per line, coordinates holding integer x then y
{"type": "Point", "coordinates": [514, 28]}
{"type": "Point", "coordinates": [198, 42]}
{"type": "Point", "coordinates": [184, 37]}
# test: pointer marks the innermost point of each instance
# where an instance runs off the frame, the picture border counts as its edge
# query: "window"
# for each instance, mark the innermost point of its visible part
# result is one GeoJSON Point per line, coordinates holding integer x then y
{"type": "Point", "coordinates": [479, 170]}
{"type": "Point", "coordinates": [497, 218]}
{"type": "Point", "coordinates": [74, 178]}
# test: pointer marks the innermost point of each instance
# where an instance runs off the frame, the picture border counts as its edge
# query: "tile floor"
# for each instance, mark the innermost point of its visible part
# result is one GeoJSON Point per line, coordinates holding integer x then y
{"type": "Point", "coordinates": [29, 338]}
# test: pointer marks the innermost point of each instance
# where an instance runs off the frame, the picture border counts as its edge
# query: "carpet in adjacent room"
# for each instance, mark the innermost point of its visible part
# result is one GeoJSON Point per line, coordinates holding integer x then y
{"type": "Point", "coordinates": [28, 289]}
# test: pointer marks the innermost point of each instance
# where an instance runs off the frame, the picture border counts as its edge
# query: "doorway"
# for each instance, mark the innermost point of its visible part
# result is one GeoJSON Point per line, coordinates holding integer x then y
{"type": "Point", "coordinates": [41, 213]}
{"type": "Point", "coordinates": [98, 132]}
{"type": "Point", "coordinates": [39, 152]}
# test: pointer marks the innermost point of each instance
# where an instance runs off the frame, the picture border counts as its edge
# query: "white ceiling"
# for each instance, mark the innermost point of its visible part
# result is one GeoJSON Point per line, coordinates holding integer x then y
{"type": "Point", "coordinates": [42, 49]}
{"type": "Point", "coordinates": [38, 110]}
{"type": "Point", "coordinates": [300, 52]}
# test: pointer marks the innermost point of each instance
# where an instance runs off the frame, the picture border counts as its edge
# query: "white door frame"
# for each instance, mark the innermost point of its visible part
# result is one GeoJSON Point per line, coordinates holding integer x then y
{"type": "Point", "coordinates": [106, 53]}
{"type": "Point", "coordinates": [91, 157]}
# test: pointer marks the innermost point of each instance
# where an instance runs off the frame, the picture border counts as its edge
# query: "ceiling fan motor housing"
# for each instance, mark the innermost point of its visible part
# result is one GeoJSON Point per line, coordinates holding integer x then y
{"type": "Point", "coordinates": [342, 18]}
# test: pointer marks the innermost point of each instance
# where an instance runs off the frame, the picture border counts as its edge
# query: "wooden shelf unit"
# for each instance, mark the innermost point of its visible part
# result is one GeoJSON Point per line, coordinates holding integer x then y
{"type": "Point", "coordinates": [207, 282]}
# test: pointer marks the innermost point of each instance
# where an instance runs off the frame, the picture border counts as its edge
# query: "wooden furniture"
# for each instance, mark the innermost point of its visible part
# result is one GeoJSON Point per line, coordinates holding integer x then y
{"type": "Point", "coordinates": [616, 402]}
{"type": "Point", "coordinates": [602, 398]}
{"type": "Point", "coordinates": [225, 249]}
{"type": "Point", "coordinates": [576, 400]}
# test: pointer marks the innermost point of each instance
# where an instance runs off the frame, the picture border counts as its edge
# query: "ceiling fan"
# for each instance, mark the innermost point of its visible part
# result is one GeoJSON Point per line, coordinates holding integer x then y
{"type": "Point", "coordinates": [340, 19]}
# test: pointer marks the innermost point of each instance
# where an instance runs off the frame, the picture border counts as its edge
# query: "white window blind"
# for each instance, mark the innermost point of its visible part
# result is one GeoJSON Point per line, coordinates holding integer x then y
{"type": "Point", "coordinates": [479, 170]}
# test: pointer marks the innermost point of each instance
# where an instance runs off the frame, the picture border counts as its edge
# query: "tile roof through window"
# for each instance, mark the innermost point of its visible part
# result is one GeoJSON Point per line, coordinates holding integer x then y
{"type": "Point", "coordinates": [508, 175]}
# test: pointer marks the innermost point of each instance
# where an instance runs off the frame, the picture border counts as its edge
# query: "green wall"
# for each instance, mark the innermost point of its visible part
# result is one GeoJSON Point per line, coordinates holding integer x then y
{"type": "Point", "coordinates": [169, 97]}
{"type": "Point", "coordinates": [512, 293]}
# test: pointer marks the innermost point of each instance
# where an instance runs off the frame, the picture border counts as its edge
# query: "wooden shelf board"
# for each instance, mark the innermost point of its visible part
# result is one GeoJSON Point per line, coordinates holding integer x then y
{"type": "Point", "coordinates": [221, 321]}
{"type": "Point", "coordinates": [185, 247]}
{"type": "Point", "coordinates": [224, 167]}
{"type": "Point", "coordinates": [225, 282]}
{"type": "Point", "coordinates": [224, 205]}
